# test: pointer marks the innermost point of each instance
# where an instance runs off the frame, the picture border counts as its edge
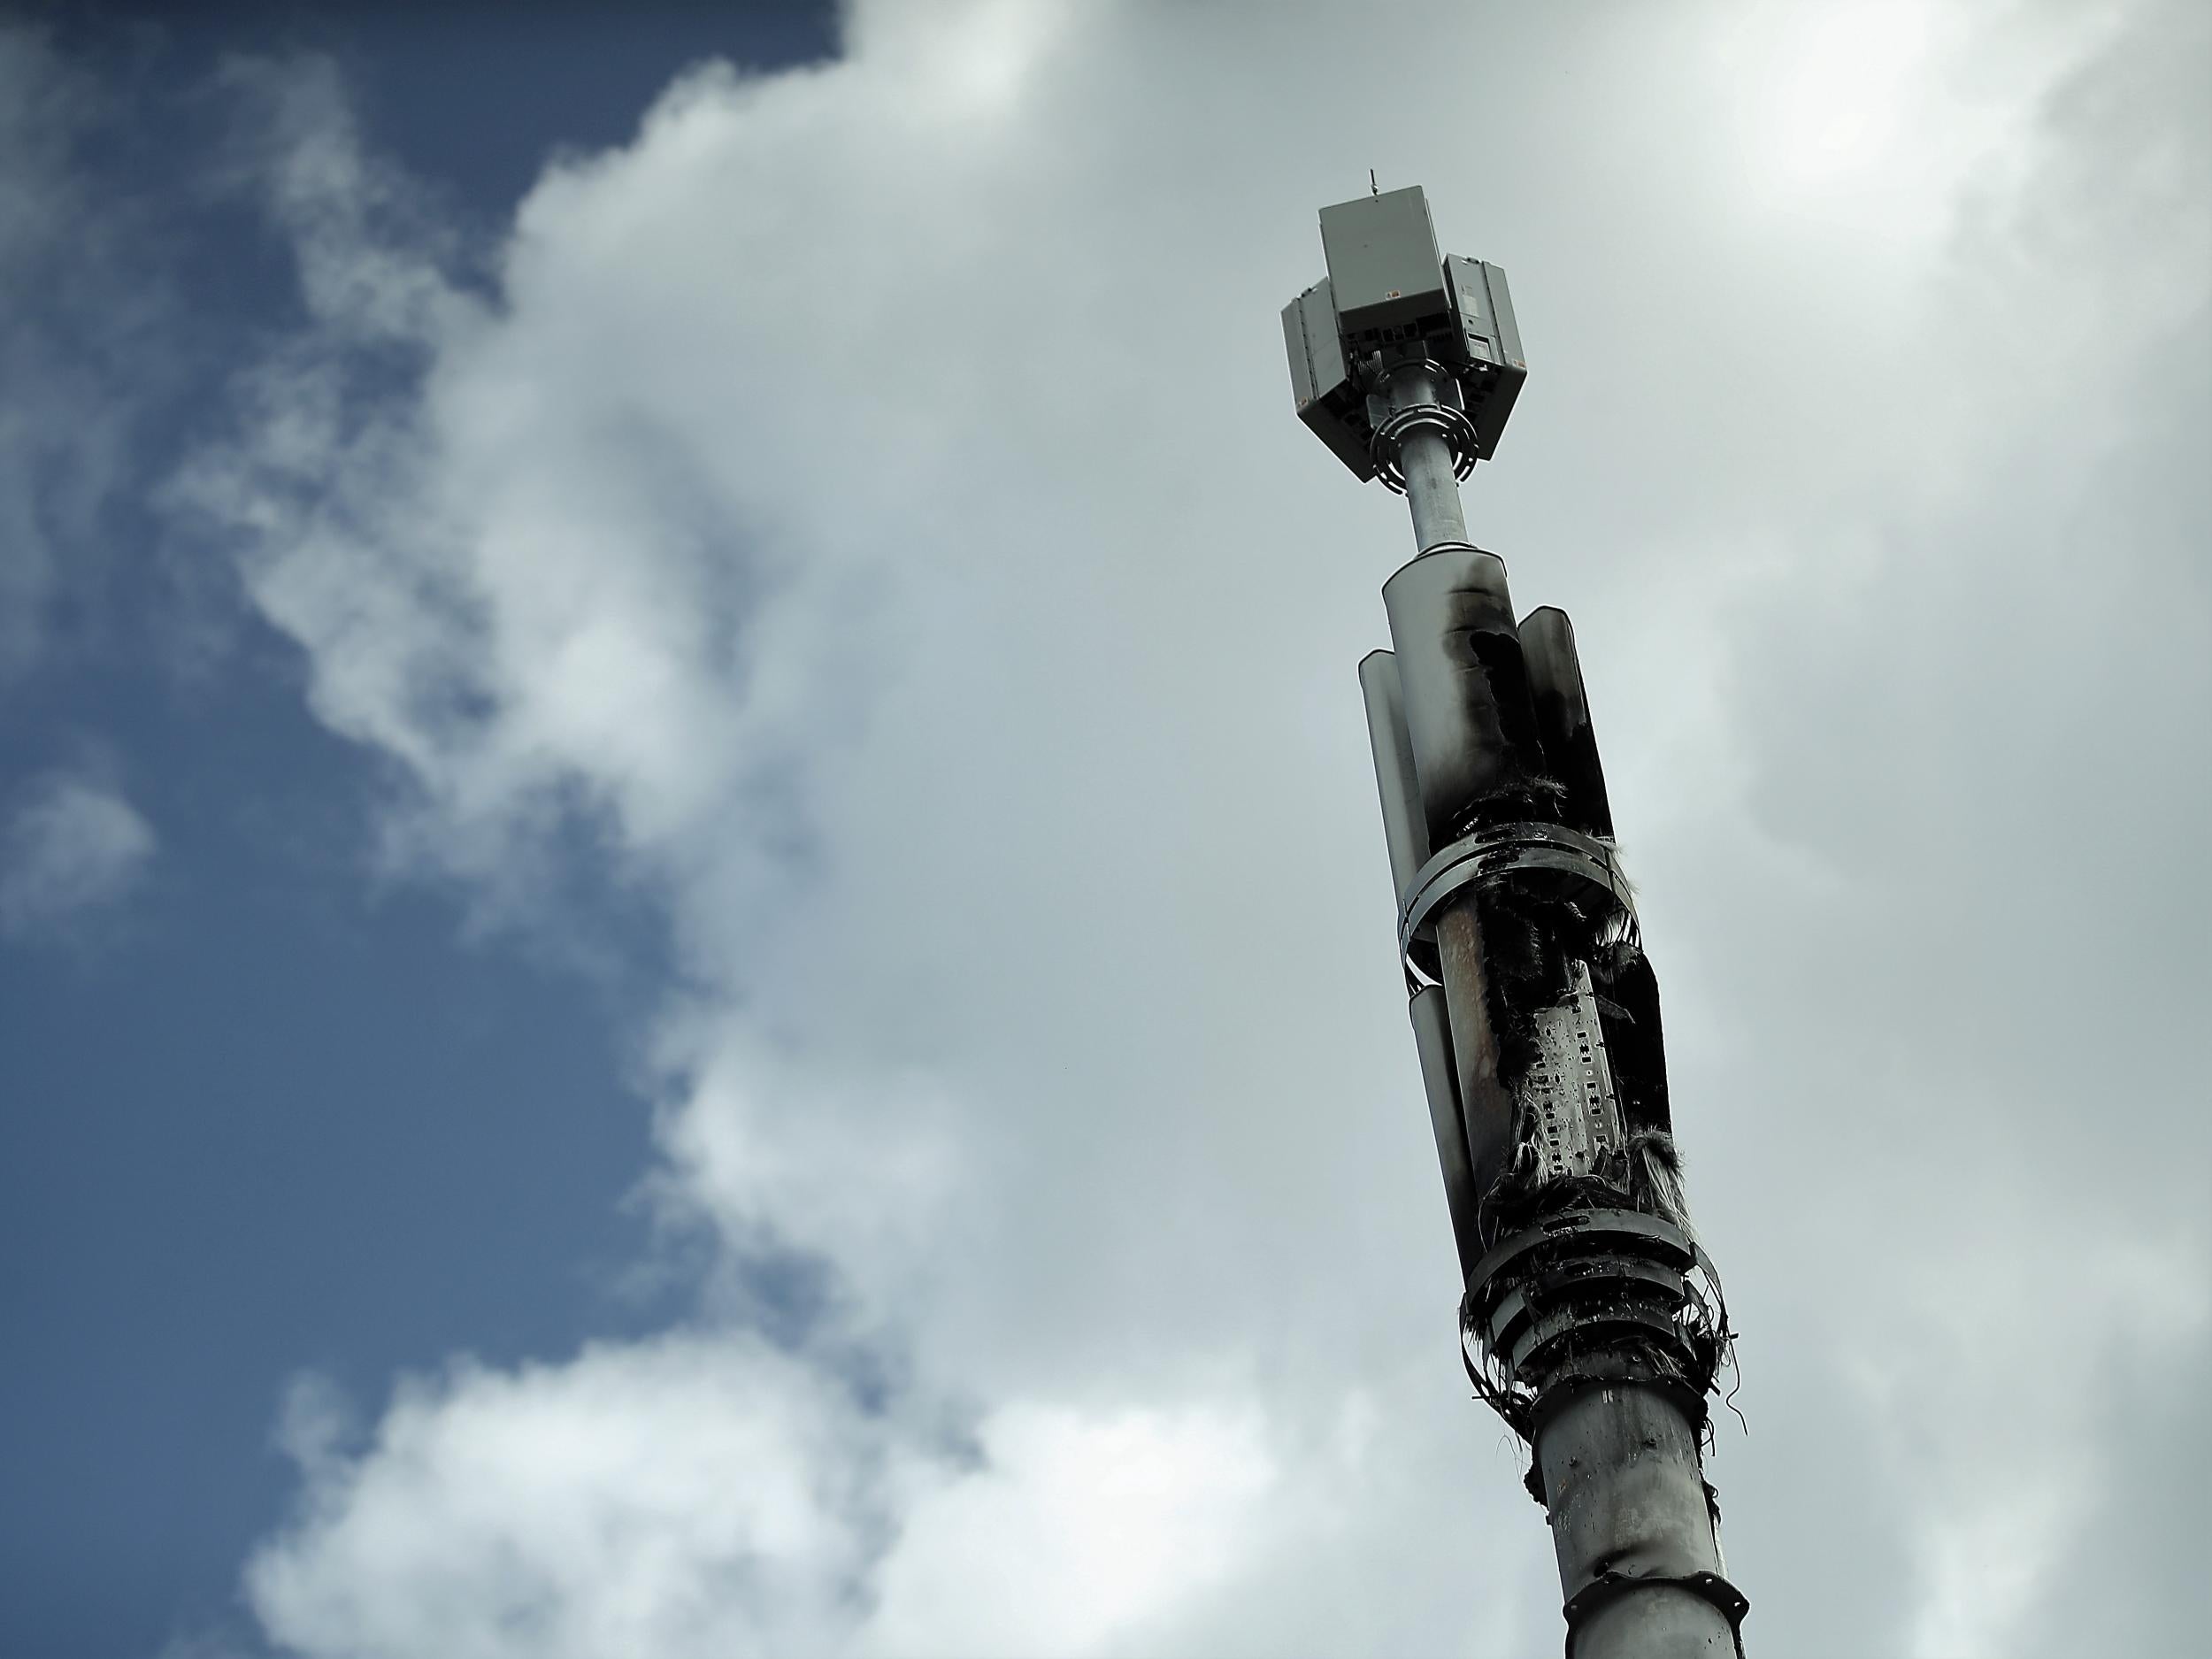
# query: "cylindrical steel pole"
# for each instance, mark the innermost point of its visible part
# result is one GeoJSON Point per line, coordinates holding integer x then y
{"type": "Point", "coordinates": [1631, 1526]}
{"type": "Point", "coordinates": [1426, 459]}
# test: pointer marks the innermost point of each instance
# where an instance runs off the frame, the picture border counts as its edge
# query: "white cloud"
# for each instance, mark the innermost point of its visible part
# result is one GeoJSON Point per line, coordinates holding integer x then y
{"type": "Point", "coordinates": [588, 1509]}
{"type": "Point", "coordinates": [1076, 1529]}
{"type": "Point", "coordinates": [868, 500]}
{"type": "Point", "coordinates": [698, 1495]}
{"type": "Point", "coordinates": [81, 357]}
{"type": "Point", "coordinates": [72, 844]}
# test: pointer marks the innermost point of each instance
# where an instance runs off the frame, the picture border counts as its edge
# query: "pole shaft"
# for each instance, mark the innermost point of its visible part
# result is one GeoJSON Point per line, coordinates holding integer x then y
{"type": "Point", "coordinates": [1431, 486]}
{"type": "Point", "coordinates": [1623, 1481]}
{"type": "Point", "coordinates": [1625, 1494]}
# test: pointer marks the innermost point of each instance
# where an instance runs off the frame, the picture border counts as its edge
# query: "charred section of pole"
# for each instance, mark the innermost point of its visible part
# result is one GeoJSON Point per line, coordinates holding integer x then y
{"type": "Point", "coordinates": [1632, 1525]}
{"type": "Point", "coordinates": [1592, 1321]}
{"type": "Point", "coordinates": [1593, 1297]}
{"type": "Point", "coordinates": [1598, 1334]}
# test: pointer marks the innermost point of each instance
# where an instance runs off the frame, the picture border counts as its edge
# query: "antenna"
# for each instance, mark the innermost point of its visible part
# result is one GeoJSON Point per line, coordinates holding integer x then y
{"type": "Point", "coordinates": [1592, 1318]}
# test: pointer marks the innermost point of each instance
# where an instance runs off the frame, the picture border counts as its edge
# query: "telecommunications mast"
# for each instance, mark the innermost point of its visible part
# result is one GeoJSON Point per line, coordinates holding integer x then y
{"type": "Point", "coordinates": [1592, 1320]}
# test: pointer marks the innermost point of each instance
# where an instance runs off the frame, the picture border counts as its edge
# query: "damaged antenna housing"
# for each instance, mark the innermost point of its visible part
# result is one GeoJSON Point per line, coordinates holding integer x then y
{"type": "Point", "coordinates": [1591, 1317]}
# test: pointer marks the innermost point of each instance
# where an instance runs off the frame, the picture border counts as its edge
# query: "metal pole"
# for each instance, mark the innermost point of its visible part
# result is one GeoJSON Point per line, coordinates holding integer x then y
{"type": "Point", "coordinates": [1633, 1526]}
{"type": "Point", "coordinates": [1592, 1320]}
{"type": "Point", "coordinates": [1432, 484]}
{"type": "Point", "coordinates": [1623, 1486]}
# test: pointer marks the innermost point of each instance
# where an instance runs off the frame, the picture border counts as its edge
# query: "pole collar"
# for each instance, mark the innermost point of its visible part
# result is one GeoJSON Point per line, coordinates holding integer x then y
{"type": "Point", "coordinates": [1448, 423]}
{"type": "Point", "coordinates": [1508, 849]}
{"type": "Point", "coordinates": [1609, 1588]}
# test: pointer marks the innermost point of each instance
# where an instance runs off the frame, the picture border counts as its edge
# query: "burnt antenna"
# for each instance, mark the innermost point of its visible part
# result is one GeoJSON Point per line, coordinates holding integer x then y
{"type": "Point", "coordinates": [1591, 1319]}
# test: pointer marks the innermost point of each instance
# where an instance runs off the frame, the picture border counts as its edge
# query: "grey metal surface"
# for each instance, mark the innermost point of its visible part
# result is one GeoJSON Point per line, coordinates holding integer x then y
{"type": "Point", "coordinates": [1584, 1325]}
{"type": "Point", "coordinates": [1433, 1041]}
{"type": "Point", "coordinates": [1304, 384]}
{"type": "Point", "coordinates": [1501, 852]}
{"type": "Point", "coordinates": [1387, 275]}
{"type": "Point", "coordinates": [1431, 480]}
{"type": "Point", "coordinates": [1626, 1496]}
{"type": "Point", "coordinates": [1405, 833]}
{"type": "Point", "coordinates": [1501, 307]}
{"type": "Point", "coordinates": [1656, 1620]}
{"type": "Point", "coordinates": [1487, 363]}
{"type": "Point", "coordinates": [1568, 1102]}
{"type": "Point", "coordinates": [1562, 718]}
{"type": "Point", "coordinates": [1659, 1238]}
{"type": "Point", "coordinates": [1333, 408]}
{"type": "Point", "coordinates": [1486, 1105]}
{"type": "Point", "coordinates": [1442, 607]}
{"type": "Point", "coordinates": [1470, 297]}
{"type": "Point", "coordinates": [1391, 302]}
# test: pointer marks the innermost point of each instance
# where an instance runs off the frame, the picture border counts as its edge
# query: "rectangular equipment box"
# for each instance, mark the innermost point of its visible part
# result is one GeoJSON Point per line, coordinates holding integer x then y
{"type": "Point", "coordinates": [1390, 299]}
{"type": "Point", "coordinates": [1384, 268]}
{"type": "Point", "coordinates": [1328, 403]}
{"type": "Point", "coordinates": [1492, 369]}
{"type": "Point", "coordinates": [1486, 312]}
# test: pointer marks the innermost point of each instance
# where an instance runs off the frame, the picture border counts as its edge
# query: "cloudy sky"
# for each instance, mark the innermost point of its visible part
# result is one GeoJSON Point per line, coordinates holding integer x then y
{"type": "Point", "coordinates": [694, 954]}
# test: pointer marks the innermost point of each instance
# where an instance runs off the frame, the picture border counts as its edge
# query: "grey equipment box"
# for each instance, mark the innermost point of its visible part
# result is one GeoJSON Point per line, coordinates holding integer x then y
{"type": "Point", "coordinates": [1384, 270]}
{"type": "Point", "coordinates": [1490, 367]}
{"type": "Point", "coordinates": [1390, 297]}
{"type": "Point", "coordinates": [1328, 401]}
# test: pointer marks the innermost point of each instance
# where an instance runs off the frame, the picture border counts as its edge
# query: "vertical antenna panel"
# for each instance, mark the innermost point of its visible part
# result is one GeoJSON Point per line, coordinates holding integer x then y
{"type": "Point", "coordinates": [1562, 717]}
{"type": "Point", "coordinates": [1328, 401]}
{"type": "Point", "coordinates": [1433, 1039]}
{"type": "Point", "coordinates": [1460, 678]}
{"type": "Point", "coordinates": [1405, 832]}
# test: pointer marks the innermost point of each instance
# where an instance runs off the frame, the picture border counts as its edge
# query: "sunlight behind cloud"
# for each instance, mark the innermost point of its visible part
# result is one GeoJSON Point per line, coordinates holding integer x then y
{"type": "Point", "coordinates": [1077, 1530]}
{"type": "Point", "coordinates": [972, 59]}
{"type": "Point", "coordinates": [1841, 95]}
{"type": "Point", "coordinates": [1865, 124]}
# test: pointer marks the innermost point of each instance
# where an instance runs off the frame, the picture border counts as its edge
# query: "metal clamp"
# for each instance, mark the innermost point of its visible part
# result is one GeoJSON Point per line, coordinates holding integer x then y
{"type": "Point", "coordinates": [1608, 1587]}
{"type": "Point", "coordinates": [1583, 1282]}
{"type": "Point", "coordinates": [1506, 850]}
{"type": "Point", "coordinates": [1629, 1230]}
{"type": "Point", "coordinates": [1448, 423]}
